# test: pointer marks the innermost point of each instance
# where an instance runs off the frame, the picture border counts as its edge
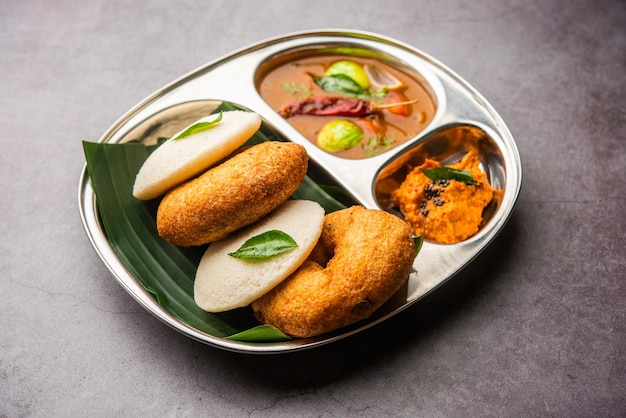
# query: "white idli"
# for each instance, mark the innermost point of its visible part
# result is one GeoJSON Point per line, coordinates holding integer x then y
{"type": "Point", "coordinates": [224, 282]}
{"type": "Point", "coordinates": [176, 161]}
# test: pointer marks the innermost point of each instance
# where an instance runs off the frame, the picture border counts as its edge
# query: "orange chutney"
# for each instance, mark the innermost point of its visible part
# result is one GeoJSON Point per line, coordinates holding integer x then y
{"type": "Point", "coordinates": [446, 211]}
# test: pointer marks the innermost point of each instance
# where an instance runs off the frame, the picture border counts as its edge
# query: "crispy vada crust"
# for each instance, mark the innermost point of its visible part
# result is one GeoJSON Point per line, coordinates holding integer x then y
{"type": "Point", "coordinates": [371, 255]}
{"type": "Point", "coordinates": [234, 194]}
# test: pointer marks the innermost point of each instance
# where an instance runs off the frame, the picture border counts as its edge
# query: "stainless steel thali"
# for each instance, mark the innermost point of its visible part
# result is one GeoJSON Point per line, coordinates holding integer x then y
{"type": "Point", "coordinates": [460, 110]}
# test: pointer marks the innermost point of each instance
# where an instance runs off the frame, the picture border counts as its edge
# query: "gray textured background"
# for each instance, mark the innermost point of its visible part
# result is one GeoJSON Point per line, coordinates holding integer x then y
{"type": "Point", "coordinates": [535, 327]}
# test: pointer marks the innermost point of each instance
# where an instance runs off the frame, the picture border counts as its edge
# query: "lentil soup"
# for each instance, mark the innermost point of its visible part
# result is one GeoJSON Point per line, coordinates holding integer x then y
{"type": "Point", "coordinates": [298, 82]}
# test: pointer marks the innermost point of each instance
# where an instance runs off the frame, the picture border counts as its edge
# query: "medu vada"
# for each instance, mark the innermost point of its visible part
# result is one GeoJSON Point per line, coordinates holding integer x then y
{"type": "Point", "coordinates": [362, 258]}
{"type": "Point", "coordinates": [232, 195]}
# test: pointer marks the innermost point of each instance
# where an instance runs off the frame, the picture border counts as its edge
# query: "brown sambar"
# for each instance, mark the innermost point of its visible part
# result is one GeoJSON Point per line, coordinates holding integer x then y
{"type": "Point", "coordinates": [287, 79]}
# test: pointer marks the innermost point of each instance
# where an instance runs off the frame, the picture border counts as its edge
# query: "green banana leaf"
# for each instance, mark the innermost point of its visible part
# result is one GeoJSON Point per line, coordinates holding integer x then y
{"type": "Point", "coordinates": [164, 270]}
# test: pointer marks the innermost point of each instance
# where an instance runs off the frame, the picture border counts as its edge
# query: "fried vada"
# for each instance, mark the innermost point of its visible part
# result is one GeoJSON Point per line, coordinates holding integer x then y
{"type": "Point", "coordinates": [363, 257]}
{"type": "Point", "coordinates": [178, 160]}
{"type": "Point", "coordinates": [232, 195]}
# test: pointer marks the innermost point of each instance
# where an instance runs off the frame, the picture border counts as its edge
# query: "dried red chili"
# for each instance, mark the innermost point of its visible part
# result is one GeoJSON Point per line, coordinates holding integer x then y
{"type": "Point", "coordinates": [334, 106]}
{"type": "Point", "coordinates": [327, 106]}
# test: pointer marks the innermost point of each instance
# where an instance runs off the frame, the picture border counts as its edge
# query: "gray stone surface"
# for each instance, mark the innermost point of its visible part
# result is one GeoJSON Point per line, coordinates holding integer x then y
{"type": "Point", "coordinates": [534, 327]}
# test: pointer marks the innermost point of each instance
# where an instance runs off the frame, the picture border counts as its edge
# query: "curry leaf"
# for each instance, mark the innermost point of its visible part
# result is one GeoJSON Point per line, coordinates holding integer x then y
{"type": "Point", "coordinates": [199, 127]}
{"type": "Point", "coordinates": [340, 83]}
{"type": "Point", "coordinates": [449, 173]}
{"type": "Point", "coordinates": [266, 245]}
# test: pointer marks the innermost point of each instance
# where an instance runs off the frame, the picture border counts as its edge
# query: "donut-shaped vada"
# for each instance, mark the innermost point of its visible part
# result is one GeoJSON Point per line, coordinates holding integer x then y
{"type": "Point", "coordinates": [363, 257]}
{"type": "Point", "coordinates": [234, 194]}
